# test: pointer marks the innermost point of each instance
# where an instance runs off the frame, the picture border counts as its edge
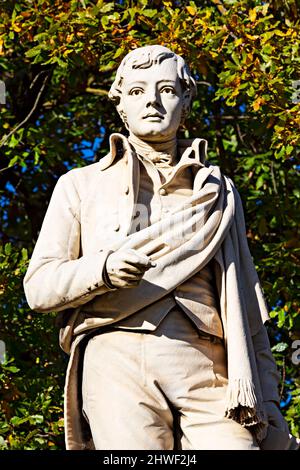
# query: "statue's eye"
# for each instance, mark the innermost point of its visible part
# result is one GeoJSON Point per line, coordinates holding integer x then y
{"type": "Point", "coordinates": [168, 89]}
{"type": "Point", "coordinates": [136, 91]}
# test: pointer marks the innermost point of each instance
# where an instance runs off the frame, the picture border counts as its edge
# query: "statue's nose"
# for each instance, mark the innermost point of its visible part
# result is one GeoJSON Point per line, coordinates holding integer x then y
{"type": "Point", "coordinates": [153, 98]}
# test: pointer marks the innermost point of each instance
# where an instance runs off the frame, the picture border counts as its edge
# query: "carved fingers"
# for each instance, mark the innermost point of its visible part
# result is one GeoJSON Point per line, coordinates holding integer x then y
{"type": "Point", "coordinates": [126, 267]}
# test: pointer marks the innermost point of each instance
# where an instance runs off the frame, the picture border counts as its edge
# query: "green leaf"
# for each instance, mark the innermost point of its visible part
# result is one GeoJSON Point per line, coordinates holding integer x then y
{"type": "Point", "coordinates": [13, 161]}
{"type": "Point", "coordinates": [36, 156]}
{"type": "Point", "coordinates": [36, 419]}
{"type": "Point", "coordinates": [260, 181]}
{"type": "Point", "coordinates": [39, 440]}
{"type": "Point", "coordinates": [104, 21]}
{"type": "Point", "coordinates": [296, 193]}
{"type": "Point", "coordinates": [107, 7]}
{"type": "Point", "coordinates": [24, 254]}
{"type": "Point", "coordinates": [149, 13]}
{"type": "Point", "coordinates": [12, 369]}
{"type": "Point", "coordinates": [235, 58]}
{"type": "Point", "coordinates": [17, 421]}
{"type": "Point", "coordinates": [281, 318]}
{"type": "Point", "coordinates": [280, 347]}
{"type": "Point", "coordinates": [251, 91]}
{"type": "Point", "coordinates": [7, 248]}
{"type": "Point", "coordinates": [118, 52]}
{"type": "Point", "coordinates": [13, 143]}
{"type": "Point", "coordinates": [34, 51]}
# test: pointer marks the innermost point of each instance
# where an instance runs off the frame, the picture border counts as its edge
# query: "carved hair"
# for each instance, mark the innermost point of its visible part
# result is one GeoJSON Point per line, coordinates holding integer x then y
{"type": "Point", "coordinates": [145, 57]}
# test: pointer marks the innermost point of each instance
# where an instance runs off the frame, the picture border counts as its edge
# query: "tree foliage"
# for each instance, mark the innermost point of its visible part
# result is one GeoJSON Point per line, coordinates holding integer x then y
{"type": "Point", "coordinates": [57, 61]}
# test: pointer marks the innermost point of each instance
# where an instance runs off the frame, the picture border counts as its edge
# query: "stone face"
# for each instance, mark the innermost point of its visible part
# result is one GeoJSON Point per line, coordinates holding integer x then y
{"type": "Point", "coordinates": [152, 101]}
{"type": "Point", "coordinates": [153, 90]}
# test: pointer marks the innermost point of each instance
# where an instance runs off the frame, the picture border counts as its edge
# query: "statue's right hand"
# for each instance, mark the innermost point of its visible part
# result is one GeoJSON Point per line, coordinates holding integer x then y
{"type": "Point", "coordinates": [126, 267]}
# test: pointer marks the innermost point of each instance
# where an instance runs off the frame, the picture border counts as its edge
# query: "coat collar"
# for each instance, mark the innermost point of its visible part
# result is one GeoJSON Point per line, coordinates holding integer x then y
{"type": "Point", "coordinates": [192, 151]}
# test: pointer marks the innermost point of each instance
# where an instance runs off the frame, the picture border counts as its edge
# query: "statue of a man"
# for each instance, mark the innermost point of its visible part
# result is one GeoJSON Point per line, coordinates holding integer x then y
{"type": "Point", "coordinates": [145, 255]}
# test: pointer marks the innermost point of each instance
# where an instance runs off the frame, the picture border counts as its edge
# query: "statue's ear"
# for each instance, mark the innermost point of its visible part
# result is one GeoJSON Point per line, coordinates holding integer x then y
{"type": "Point", "coordinates": [122, 114]}
{"type": "Point", "coordinates": [186, 99]}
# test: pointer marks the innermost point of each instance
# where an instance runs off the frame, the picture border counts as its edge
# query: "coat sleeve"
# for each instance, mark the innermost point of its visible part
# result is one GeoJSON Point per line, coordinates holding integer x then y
{"type": "Point", "coordinates": [278, 434]}
{"type": "Point", "coordinates": [267, 369]}
{"type": "Point", "coordinates": [58, 277]}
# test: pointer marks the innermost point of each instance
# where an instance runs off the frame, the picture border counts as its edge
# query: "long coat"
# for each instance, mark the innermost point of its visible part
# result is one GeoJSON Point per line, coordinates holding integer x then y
{"type": "Point", "coordinates": [91, 209]}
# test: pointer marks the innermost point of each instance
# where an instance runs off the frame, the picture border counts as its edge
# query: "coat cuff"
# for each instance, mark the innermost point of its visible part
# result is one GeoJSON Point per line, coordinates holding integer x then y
{"type": "Point", "coordinates": [105, 276]}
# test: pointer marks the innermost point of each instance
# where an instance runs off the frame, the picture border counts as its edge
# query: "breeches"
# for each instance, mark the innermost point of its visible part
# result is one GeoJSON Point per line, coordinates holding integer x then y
{"type": "Point", "coordinates": [160, 390]}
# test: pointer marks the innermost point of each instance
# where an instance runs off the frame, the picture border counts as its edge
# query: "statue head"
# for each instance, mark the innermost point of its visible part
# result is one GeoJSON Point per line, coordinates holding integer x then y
{"type": "Point", "coordinates": [153, 92]}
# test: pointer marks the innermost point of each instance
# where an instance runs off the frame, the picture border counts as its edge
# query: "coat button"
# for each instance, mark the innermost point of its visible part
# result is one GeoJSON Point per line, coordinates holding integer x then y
{"type": "Point", "coordinates": [117, 228]}
{"type": "Point", "coordinates": [127, 190]}
{"type": "Point", "coordinates": [162, 191]}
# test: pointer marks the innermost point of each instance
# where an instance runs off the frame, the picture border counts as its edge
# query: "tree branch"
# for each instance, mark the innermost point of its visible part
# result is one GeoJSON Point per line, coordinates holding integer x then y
{"type": "Point", "coordinates": [204, 83]}
{"type": "Point", "coordinates": [239, 133]}
{"type": "Point", "coordinates": [232, 118]}
{"type": "Point", "coordinates": [6, 137]}
{"type": "Point", "coordinates": [97, 91]}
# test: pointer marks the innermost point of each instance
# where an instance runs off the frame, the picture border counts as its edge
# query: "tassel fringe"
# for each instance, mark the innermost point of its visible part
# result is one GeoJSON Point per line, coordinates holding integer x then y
{"type": "Point", "coordinates": [243, 408]}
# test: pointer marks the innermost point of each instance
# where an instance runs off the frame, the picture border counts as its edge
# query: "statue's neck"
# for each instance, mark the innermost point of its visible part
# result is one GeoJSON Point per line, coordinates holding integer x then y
{"type": "Point", "coordinates": [157, 152]}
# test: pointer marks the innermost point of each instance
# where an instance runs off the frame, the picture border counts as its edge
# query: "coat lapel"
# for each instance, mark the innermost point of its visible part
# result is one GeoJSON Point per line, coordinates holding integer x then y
{"type": "Point", "coordinates": [128, 187]}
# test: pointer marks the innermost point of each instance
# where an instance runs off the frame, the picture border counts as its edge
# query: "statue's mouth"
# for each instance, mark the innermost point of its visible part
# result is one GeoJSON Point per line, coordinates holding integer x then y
{"type": "Point", "coordinates": [153, 115]}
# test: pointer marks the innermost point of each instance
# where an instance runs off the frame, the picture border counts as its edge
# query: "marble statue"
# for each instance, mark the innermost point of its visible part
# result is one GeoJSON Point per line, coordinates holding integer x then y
{"type": "Point", "coordinates": [144, 255]}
